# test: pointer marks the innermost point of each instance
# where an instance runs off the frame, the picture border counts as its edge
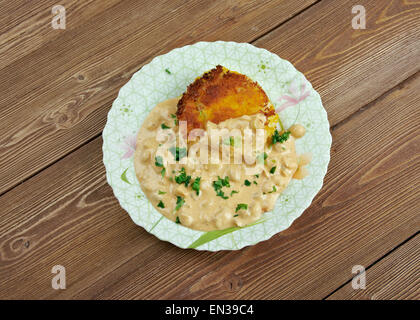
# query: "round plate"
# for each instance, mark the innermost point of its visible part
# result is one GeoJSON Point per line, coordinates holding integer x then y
{"type": "Point", "coordinates": [168, 76]}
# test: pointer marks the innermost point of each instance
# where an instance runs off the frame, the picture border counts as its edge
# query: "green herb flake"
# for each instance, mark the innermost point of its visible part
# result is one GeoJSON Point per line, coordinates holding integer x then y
{"type": "Point", "coordinates": [273, 169]}
{"type": "Point", "coordinates": [233, 192]}
{"type": "Point", "coordinates": [182, 178]}
{"type": "Point", "coordinates": [158, 161]}
{"type": "Point", "coordinates": [219, 183]}
{"type": "Point", "coordinates": [229, 141]}
{"type": "Point", "coordinates": [177, 220]}
{"type": "Point", "coordinates": [162, 172]}
{"type": "Point", "coordinates": [196, 185]}
{"type": "Point", "coordinates": [241, 206]}
{"type": "Point", "coordinates": [257, 176]}
{"type": "Point", "coordinates": [167, 71]}
{"type": "Point", "coordinates": [164, 126]}
{"type": "Point", "coordinates": [161, 205]}
{"type": "Point", "coordinates": [221, 194]}
{"type": "Point", "coordinates": [173, 116]}
{"type": "Point", "coordinates": [178, 153]}
{"type": "Point", "coordinates": [277, 137]}
{"type": "Point", "coordinates": [262, 157]}
{"type": "Point", "coordinates": [247, 183]}
{"type": "Point", "coordinates": [161, 192]}
{"type": "Point", "coordinates": [274, 189]}
{"type": "Point", "coordinates": [236, 215]}
{"type": "Point", "coordinates": [255, 182]}
{"type": "Point", "coordinates": [179, 202]}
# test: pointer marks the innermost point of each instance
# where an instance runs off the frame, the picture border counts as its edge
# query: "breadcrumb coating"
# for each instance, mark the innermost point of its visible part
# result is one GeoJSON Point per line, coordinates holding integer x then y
{"type": "Point", "coordinates": [221, 94]}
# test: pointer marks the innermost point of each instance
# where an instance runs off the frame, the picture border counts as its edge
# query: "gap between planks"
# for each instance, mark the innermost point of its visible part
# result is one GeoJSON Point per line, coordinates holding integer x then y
{"type": "Point", "coordinates": [375, 262]}
{"type": "Point", "coordinates": [364, 107]}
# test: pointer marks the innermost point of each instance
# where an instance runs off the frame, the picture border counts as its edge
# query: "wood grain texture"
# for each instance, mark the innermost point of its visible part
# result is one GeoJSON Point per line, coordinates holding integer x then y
{"type": "Point", "coordinates": [57, 85]}
{"type": "Point", "coordinates": [67, 215]}
{"type": "Point", "coordinates": [26, 27]}
{"type": "Point", "coordinates": [88, 65]}
{"type": "Point", "coordinates": [397, 276]}
{"type": "Point", "coordinates": [350, 68]}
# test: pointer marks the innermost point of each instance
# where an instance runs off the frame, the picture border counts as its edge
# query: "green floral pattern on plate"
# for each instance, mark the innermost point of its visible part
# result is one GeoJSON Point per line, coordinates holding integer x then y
{"type": "Point", "coordinates": [153, 84]}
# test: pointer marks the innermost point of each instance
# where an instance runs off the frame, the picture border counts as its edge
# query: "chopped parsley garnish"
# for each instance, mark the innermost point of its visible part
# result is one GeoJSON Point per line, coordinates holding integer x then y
{"type": "Point", "coordinates": [179, 202]}
{"type": "Point", "coordinates": [196, 185]}
{"type": "Point", "coordinates": [158, 161]}
{"type": "Point", "coordinates": [161, 192]}
{"type": "Point", "coordinates": [241, 206]}
{"type": "Point", "coordinates": [182, 178]}
{"type": "Point", "coordinates": [162, 172]}
{"type": "Point", "coordinates": [255, 182]}
{"type": "Point", "coordinates": [273, 169]}
{"type": "Point", "coordinates": [233, 191]}
{"type": "Point", "coordinates": [167, 71]}
{"type": "Point", "coordinates": [178, 153]}
{"type": "Point", "coordinates": [177, 220]}
{"type": "Point", "coordinates": [164, 126]}
{"type": "Point", "coordinates": [236, 215]}
{"type": "Point", "coordinates": [232, 141]}
{"type": "Point", "coordinates": [219, 183]}
{"type": "Point", "coordinates": [173, 116]}
{"type": "Point", "coordinates": [277, 137]}
{"type": "Point", "coordinates": [247, 183]}
{"type": "Point", "coordinates": [257, 176]}
{"type": "Point", "coordinates": [274, 189]}
{"type": "Point", "coordinates": [161, 205]}
{"type": "Point", "coordinates": [221, 194]}
{"type": "Point", "coordinates": [262, 157]}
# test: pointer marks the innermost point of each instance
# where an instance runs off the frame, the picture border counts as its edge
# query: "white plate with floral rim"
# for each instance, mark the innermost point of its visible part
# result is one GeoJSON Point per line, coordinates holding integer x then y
{"type": "Point", "coordinates": [168, 76]}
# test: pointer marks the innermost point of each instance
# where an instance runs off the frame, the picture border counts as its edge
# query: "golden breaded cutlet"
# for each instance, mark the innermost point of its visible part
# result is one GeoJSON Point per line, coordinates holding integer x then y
{"type": "Point", "coordinates": [221, 94]}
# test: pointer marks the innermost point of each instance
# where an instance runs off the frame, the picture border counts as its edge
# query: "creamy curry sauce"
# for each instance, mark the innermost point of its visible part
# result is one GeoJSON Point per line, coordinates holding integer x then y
{"type": "Point", "coordinates": [221, 202]}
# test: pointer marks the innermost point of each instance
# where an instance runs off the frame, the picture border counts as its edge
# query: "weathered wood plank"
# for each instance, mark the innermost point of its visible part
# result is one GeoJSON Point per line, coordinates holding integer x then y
{"type": "Point", "coordinates": [397, 276]}
{"type": "Point", "coordinates": [67, 215]}
{"type": "Point", "coordinates": [26, 27]}
{"type": "Point", "coordinates": [57, 91]}
{"type": "Point", "coordinates": [348, 67]}
{"type": "Point", "coordinates": [344, 64]}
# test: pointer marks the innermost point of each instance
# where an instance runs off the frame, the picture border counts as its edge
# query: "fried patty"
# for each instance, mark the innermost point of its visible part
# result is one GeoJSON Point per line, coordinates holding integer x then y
{"type": "Point", "coordinates": [221, 94]}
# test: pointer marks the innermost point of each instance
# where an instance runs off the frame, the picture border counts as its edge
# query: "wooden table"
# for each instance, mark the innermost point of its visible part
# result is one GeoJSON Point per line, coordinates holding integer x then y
{"type": "Point", "coordinates": [57, 209]}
